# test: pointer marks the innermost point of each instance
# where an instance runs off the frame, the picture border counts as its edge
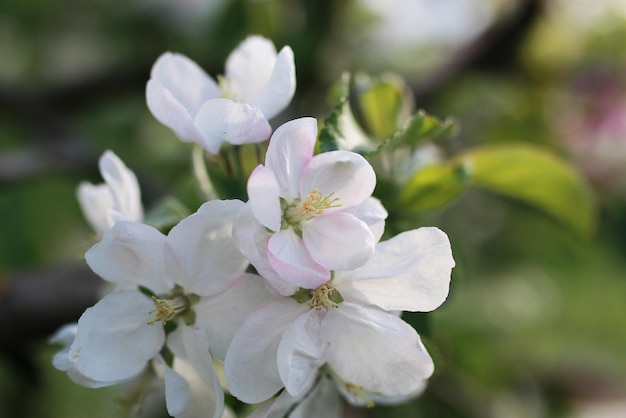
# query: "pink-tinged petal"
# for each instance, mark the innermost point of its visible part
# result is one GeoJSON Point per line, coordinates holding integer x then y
{"type": "Point", "coordinates": [375, 350]}
{"type": "Point", "coordinates": [250, 365]}
{"type": "Point", "coordinates": [249, 68]}
{"type": "Point", "coordinates": [300, 353]}
{"type": "Point", "coordinates": [223, 314]}
{"type": "Point", "coordinates": [280, 87]}
{"type": "Point", "coordinates": [202, 394]}
{"type": "Point", "coordinates": [346, 174]}
{"type": "Point", "coordinates": [289, 152]}
{"type": "Point", "coordinates": [185, 80]}
{"type": "Point", "coordinates": [409, 272]}
{"type": "Point", "coordinates": [124, 187]}
{"type": "Point", "coordinates": [373, 214]}
{"type": "Point", "coordinates": [220, 120]}
{"type": "Point", "coordinates": [201, 255]}
{"type": "Point", "coordinates": [251, 239]}
{"type": "Point", "coordinates": [264, 197]}
{"type": "Point", "coordinates": [114, 341]}
{"type": "Point", "coordinates": [338, 241]}
{"type": "Point", "coordinates": [130, 254]}
{"type": "Point", "coordinates": [165, 107]}
{"type": "Point", "coordinates": [95, 202]}
{"type": "Point", "coordinates": [291, 260]}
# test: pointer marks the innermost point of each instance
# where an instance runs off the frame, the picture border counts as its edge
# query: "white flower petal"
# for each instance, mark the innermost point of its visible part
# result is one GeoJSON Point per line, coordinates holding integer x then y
{"type": "Point", "coordinates": [193, 363]}
{"type": "Point", "coordinates": [188, 83]}
{"type": "Point", "coordinates": [130, 253]}
{"type": "Point", "coordinates": [250, 366]}
{"type": "Point", "coordinates": [280, 87]}
{"type": "Point", "coordinates": [264, 197]}
{"type": "Point", "coordinates": [291, 260]}
{"type": "Point", "coordinates": [114, 341]}
{"type": "Point", "coordinates": [375, 350]}
{"type": "Point", "coordinates": [95, 202]}
{"type": "Point", "coordinates": [165, 107]}
{"type": "Point", "coordinates": [373, 214]}
{"type": "Point", "coordinates": [300, 353]}
{"type": "Point", "coordinates": [346, 174]}
{"type": "Point", "coordinates": [377, 398]}
{"type": "Point", "coordinates": [123, 185]}
{"type": "Point", "coordinates": [409, 272]}
{"type": "Point", "coordinates": [220, 120]}
{"type": "Point", "coordinates": [64, 336]}
{"type": "Point", "coordinates": [251, 239]}
{"type": "Point", "coordinates": [322, 401]}
{"type": "Point", "coordinates": [249, 68]}
{"type": "Point", "coordinates": [223, 314]}
{"type": "Point", "coordinates": [338, 241]}
{"type": "Point", "coordinates": [289, 153]}
{"type": "Point", "coordinates": [201, 255]}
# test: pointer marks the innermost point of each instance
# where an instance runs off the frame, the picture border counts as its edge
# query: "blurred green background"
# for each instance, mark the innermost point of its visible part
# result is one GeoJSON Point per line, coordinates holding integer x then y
{"type": "Point", "coordinates": [535, 325]}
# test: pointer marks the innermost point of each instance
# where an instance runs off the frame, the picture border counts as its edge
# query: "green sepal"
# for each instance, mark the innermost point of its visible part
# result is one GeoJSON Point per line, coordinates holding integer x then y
{"type": "Point", "coordinates": [302, 295]}
{"type": "Point", "coordinates": [336, 297]}
{"type": "Point", "coordinates": [167, 213]}
{"type": "Point", "coordinates": [330, 134]}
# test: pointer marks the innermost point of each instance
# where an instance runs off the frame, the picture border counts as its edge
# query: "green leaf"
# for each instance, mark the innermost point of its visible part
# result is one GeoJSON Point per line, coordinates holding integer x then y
{"type": "Point", "coordinates": [432, 187]}
{"type": "Point", "coordinates": [330, 134]}
{"type": "Point", "coordinates": [536, 177]}
{"type": "Point", "coordinates": [382, 102]}
{"type": "Point", "coordinates": [420, 128]}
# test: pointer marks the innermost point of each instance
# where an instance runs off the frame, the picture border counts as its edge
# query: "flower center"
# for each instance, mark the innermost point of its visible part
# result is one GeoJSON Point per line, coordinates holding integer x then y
{"type": "Point", "coordinates": [166, 309]}
{"type": "Point", "coordinates": [303, 210]}
{"type": "Point", "coordinates": [325, 296]}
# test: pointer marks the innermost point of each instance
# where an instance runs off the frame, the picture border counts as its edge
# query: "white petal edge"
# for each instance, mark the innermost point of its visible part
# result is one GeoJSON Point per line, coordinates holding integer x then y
{"type": "Point", "coordinates": [222, 120]}
{"type": "Point", "coordinates": [114, 341]}
{"type": "Point", "coordinates": [338, 241]}
{"type": "Point", "coordinates": [130, 254]}
{"type": "Point", "coordinates": [251, 239]}
{"type": "Point", "coordinates": [201, 255]}
{"type": "Point", "coordinates": [249, 67]}
{"type": "Point", "coordinates": [345, 174]}
{"type": "Point", "coordinates": [281, 86]}
{"type": "Point", "coordinates": [300, 353]}
{"type": "Point", "coordinates": [291, 260]}
{"type": "Point", "coordinates": [264, 197]}
{"type": "Point", "coordinates": [250, 365]}
{"type": "Point", "coordinates": [375, 350]}
{"type": "Point", "coordinates": [409, 272]}
{"type": "Point", "coordinates": [289, 152]}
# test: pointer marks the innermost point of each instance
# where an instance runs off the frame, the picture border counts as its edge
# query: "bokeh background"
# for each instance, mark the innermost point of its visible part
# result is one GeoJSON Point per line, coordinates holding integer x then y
{"type": "Point", "coordinates": [535, 325]}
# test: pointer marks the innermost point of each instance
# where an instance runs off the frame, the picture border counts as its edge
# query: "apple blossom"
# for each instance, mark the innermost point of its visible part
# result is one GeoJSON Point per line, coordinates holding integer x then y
{"type": "Point", "coordinates": [257, 85]}
{"type": "Point", "coordinates": [118, 198]}
{"type": "Point", "coordinates": [348, 328]}
{"type": "Point", "coordinates": [192, 278]}
{"type": "Point", "coordinates": [308, 215]}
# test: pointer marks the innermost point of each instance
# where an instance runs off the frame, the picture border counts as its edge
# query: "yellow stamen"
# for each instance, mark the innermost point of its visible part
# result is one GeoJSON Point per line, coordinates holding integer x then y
{"type": "Point", "coordinates": [322, 297]}
{"type": "Point", "coordinates": [166, 309]}
{"type": "Point", "coordinates": [358, 392]}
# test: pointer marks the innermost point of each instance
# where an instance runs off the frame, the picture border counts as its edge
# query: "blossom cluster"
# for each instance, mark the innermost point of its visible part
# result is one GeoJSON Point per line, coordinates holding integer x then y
{"type": "Point", "coordinates": [293, 291]}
